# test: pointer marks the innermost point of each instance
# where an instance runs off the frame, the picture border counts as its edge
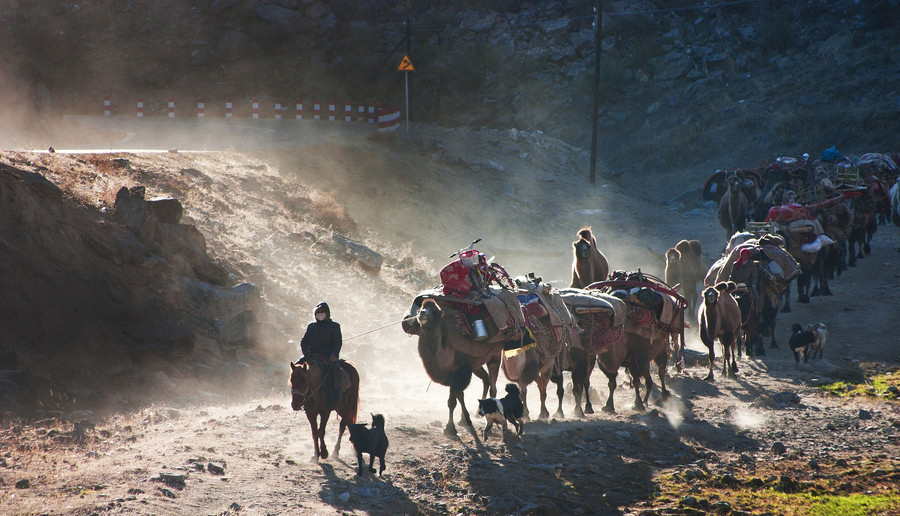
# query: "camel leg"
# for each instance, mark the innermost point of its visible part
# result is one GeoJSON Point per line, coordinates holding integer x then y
{"type": "Point", "coordinates": [636, 382]}
{"type": "Point", "coordinates": [560, 392]}
{"type": "Point", "coordinates": [610, 407]}
{"type": "Point", "coordinates": [542, 381]}
{"type": "Point", "coordinates": [712, 356]}
{"type": "Point", "coordinates": [523, 391]}
{"type": "Point", "coordinates": [485, 377]}
{"type": "Point", "coordinates": [493, 367]}
{"type": "Point", "coordinates": [450, 429]}
{"type": "Point", "coordinates": [586, 383]}
{"type": "Point", "coordinates": [577, 390]}
{"type": "Point", "coordinates": [662, 365]}
{"type": "Point", "coordinates": [648, 382]}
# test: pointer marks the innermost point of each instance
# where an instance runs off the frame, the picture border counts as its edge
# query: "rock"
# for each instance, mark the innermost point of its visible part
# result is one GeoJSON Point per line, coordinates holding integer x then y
{"type": "Point", "coordinates": [171, 478]}
{"type": "Point", "coordinates": [354, 250]}
{"type": "Point", "coordinates": [166, 492]}
{"type": "Point", "coordinates": [43, 186]}
{"type": "Point", "coordinates": [786, 398]}
{"type": "Point", "coordinates": [779, 448]}
{"type": "Point", "coordinates": [865, 414]}
{"type": "Point", "coordinates": [689, 501]}
{"type": "Point", "coordinates": [344, 497]}
{"type": "Point", "coordinates": [786, 484]}
{"type": "Point", "coordinates": [167, 209]}
{"type": "Point", "coordinates": [23, 484]}
{"type": "Point", "coordinates": [216, 468]}
{"type": "Point", "coordinates": [813, 464]}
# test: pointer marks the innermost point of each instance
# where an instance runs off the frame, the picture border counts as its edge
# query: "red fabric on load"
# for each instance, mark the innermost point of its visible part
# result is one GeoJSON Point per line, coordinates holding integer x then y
{"type": "Point", "coordinates": [455, 279]}
{"type": "Point", "coordinates": [787, 213]}
{"type": "Point", "coordinates": [534, 309]}
{"type": "Point", "coordinates": [598, 335]}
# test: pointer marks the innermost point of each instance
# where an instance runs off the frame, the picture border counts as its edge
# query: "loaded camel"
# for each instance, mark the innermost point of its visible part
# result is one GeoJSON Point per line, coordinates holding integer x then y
{"type": "Point", "coordinates": [451, 358]}
{"type": "Point", "coordinates": [720, 318]}
{"type": "Point", "coordinates": [684, 267]}
{"type": "Point", "coordinates": [589, 264]}
{"type": "Point", "coordinates": [535, 363]}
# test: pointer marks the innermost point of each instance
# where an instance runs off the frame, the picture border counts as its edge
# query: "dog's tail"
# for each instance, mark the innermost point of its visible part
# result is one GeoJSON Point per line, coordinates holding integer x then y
{"type": "Point", "coordinates": [377, 421]}
{"type": "Point", "coordinates": [512, 388]}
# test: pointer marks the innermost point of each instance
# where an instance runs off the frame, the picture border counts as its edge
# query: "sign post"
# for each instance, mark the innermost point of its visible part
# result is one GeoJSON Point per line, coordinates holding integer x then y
{"type": "Point", "coordinates": [406, 66]}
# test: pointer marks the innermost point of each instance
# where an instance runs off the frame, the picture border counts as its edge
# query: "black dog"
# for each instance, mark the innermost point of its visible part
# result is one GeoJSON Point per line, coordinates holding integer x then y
{"type": "Point", "coordinates": [507, 408]}
{"type": "Point", "coordinates": [800, 341]}
{"type": "Point", "coordinates": [370, 440]}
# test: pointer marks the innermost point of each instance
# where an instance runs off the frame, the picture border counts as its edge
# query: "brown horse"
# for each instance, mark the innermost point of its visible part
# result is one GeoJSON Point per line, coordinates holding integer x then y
{"type": "Point", "coordinates": [308, 391]}
{"type": "Point", "coordinates": [589, 265]}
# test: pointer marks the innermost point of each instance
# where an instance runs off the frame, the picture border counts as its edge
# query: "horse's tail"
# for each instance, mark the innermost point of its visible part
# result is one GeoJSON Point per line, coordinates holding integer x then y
{"type": "Point", "coordinates": [349, 409]}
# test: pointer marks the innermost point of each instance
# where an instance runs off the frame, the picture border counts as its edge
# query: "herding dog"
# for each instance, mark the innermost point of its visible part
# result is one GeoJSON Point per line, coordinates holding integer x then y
{"type": "Point", "coordinates": [800, 341]}
{"type": "Point", "coordinates": [821, 332]}
{"type": "Point", "coordinates": [370, 440]}
{"type": "Point", "coordinates": [500, 410]}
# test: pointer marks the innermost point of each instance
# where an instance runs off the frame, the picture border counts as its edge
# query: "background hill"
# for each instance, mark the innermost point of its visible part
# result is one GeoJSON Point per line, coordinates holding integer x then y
{"type": "Point", "coordinates": [755, 79]}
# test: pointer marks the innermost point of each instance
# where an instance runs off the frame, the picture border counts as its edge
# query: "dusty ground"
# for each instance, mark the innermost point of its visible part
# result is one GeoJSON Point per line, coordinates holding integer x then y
{"type": "Point", "coordinates": [703, 451]}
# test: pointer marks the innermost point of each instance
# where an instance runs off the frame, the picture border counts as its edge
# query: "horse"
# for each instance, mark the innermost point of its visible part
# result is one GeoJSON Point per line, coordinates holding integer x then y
{"type": "Point", "coordinates": [308, 391]}
{"type": "Point", "coordinates": [589, 265]}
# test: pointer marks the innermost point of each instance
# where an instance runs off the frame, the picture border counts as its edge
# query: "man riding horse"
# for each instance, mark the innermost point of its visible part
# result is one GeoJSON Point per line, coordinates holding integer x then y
{"type": "Point", "coordinates": [321, 346]}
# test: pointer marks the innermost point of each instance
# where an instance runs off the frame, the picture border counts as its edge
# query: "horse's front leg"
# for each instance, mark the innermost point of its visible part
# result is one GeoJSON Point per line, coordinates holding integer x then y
{"type": "Point", "coordinates": [337, 445]}
{"type": "Point", "coordinates": [323, 450]}
{"type": "Point", "coordinates": [315, 434]}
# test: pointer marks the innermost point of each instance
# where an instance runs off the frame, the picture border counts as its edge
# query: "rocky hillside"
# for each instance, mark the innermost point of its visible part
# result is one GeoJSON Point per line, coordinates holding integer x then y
{"type": "Point", "coordinates": [692, 88]}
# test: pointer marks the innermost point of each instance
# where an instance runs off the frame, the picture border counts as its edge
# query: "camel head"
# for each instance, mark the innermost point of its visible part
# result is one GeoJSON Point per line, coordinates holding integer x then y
{"type": "Point", "coordinates": [710, 296]}
{"type": "Point", "coordinates": [582, 249]}
{"type": "Point", "coordinates": [734, 182]}
{"type": "Point", "coordinates": [429, 314]}
{"type": "Point", "coordinates": [672, 256]}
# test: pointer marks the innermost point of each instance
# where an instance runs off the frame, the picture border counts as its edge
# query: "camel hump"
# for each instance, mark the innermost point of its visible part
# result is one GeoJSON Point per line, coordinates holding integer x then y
{"type": "Point", "coordinates": [586, 234]}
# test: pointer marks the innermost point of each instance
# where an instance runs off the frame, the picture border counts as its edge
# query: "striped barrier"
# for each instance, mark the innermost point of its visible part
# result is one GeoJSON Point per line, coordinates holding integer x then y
{"type": "Point", "coordinates": [107, 106]}
{"type": "Point", "coordinates": [255, 107]}
{"type": "Point", "coordinates": [361, 112]}
{"type": "Point", "coordinates": [331, 110]}
{"type": "Point", "coordinates": [229, 107]}
{"type": "Point", "coordinates": [299, 109]}
{"type": "Point", "coordinates": [388, 118]}
{"type": "Point", "coordinates": [171, 107]}
{"type": "Point", "coordinates": [316, 110]}
{"type": "Point", "coordinates": [201, 108]}
{"type": "Point", "coordinates": [277, 109]}
{"type": "Point", "coordinates": [371, 111]}
{"type": "Point", "coordinates": [348, 112]}
{"type": "Point", "coordinates": [140, 107]}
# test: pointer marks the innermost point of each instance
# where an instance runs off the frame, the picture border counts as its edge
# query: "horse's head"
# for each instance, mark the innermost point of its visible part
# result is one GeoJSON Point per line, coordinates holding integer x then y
{"type": "Point", "coordinates": [299, 385]}
{"type": "Point", "coordinates": [582, 249]}
{"type": "Point", "coordinates": [429, 314]}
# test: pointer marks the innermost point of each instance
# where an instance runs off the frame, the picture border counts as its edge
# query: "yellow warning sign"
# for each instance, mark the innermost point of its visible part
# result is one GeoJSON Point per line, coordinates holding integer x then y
{"type": "Point", "coordinates": [406, 65]}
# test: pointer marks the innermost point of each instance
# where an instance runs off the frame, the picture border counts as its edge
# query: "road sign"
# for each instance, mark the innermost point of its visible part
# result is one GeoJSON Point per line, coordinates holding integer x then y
{"type": "Point", "coordinates": [406, 65]}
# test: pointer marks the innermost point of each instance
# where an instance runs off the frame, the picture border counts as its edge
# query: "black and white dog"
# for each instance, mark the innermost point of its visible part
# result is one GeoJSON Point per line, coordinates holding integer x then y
{"type": "Point", "coordinates": [370, 440]}
{"type": "Point", "coordinates": [500, 410]}
{"type": "Point", "coordinates": [800, 341]}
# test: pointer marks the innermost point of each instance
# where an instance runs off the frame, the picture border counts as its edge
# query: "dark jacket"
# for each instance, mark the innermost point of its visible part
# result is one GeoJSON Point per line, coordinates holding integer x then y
{"type": "Point", "coordinates": [322, 337]}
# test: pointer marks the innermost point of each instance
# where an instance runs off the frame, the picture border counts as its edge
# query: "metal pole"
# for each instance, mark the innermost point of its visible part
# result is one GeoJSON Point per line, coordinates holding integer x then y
{"type": "Point", "coordinates": [406, 74]}
{"type": "Point", "coordinates": [599, 24]}
{"type": "Point", "coordinates": [407, 102]}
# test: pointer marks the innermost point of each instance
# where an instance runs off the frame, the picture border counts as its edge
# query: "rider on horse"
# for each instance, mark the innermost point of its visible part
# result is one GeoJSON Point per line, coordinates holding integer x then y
{"type": "Point", "coordinates": [321, 346]}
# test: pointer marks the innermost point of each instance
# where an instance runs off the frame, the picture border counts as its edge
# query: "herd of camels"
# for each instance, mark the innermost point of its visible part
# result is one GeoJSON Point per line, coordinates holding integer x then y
{"type": "Point", "coordinates": [843, 210]}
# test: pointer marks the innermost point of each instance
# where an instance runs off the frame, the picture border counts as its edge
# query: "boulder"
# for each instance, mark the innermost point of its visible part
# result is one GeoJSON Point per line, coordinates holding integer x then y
{"type": "Point", "coordinates": [167, 209]}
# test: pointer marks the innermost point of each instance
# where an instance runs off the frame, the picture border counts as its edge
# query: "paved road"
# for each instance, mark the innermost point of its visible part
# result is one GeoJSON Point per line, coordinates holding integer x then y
{"type": "Point", "coordinates": [119, 134]}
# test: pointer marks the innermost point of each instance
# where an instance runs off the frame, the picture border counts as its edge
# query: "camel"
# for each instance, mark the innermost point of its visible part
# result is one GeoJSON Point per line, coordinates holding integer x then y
{"type": "Point", "coordinates": [733, 206]}
{"type": "Point", "coordinates": [720, 318]}
{"type": "Point", "coordinates": [864, 227]}
{"type": "Point", "coordinates": [535, 364]}
{"type": "Point", "coordinates": [581, 364]}
{"type": "Point", "coordinates": [451, 358]}
{"type": "Point", "coordinates": [690, 271]}
{"type": "Point", "coordinates": [589, 265]}
{"type": "Point", "coordinates": [674, 272]}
